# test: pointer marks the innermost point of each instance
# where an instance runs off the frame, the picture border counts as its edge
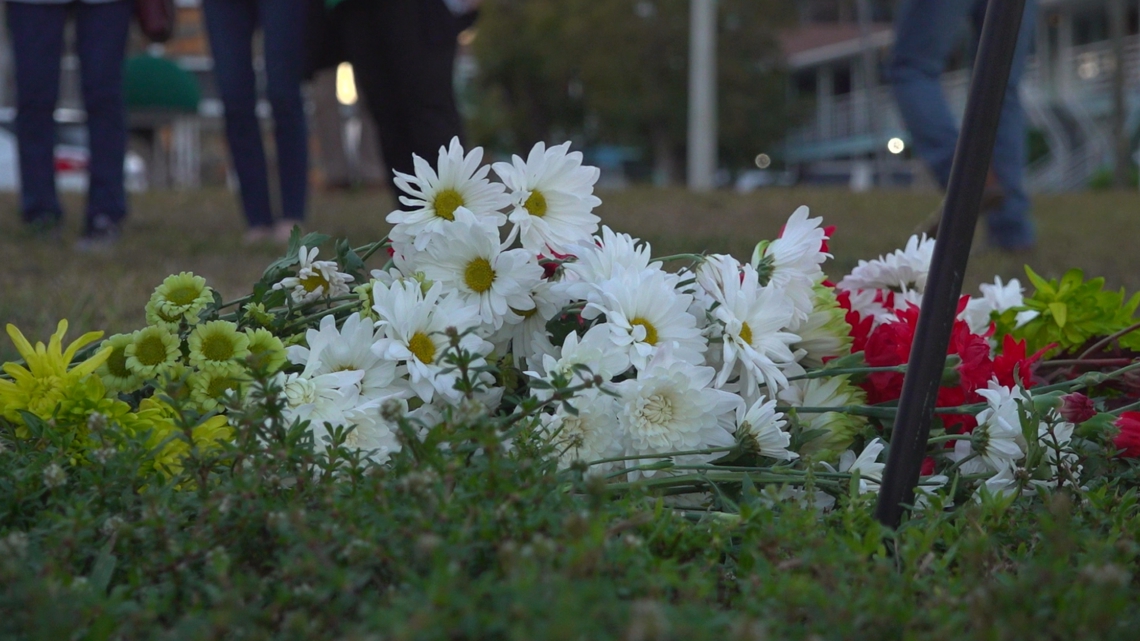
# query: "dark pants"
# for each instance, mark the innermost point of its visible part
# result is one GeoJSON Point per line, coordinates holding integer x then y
{"type": "Point", "coordinates": [37, 46]}
{"type": "Point", "coordinates": [231, 25]}
{"type": "Point", "coordinates": [403, 56]}
{"type": "Point", "coordinates": [925, 33]}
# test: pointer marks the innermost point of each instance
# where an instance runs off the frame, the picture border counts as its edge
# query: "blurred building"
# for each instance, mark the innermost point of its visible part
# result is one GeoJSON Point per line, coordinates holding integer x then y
{"type": "Point", "coordinates": [854, 125]}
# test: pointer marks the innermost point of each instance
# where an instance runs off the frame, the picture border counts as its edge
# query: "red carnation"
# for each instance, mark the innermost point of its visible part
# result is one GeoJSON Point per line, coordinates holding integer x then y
{"type": "Point", "coordinates": [1129, 437]}
{"type": "Point", "coordinates": [1077, 408]}
{"type": "Point", "coordinates": [1013, 360]}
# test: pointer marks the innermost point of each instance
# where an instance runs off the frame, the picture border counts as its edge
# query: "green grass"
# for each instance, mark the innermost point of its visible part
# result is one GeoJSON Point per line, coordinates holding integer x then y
{"type": "Point", "coordinates": [169, 232]}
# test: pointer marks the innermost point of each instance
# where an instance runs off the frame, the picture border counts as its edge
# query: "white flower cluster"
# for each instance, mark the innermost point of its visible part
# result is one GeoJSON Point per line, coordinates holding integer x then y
{"type": "Point", "coordinates": [692, 361]}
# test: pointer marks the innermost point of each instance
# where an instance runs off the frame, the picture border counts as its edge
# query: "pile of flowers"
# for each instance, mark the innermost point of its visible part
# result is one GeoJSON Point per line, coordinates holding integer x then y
{"type": "Point", "coordinates": [507, 298]}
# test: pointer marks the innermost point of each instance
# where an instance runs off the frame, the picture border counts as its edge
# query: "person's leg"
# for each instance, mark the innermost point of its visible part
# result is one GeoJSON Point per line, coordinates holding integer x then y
{"type": "Point", "coordinates": [283, 23]}
{"type": "Point", "coordinates": [1010, 225]}
{"type": "Point", "coordinates": [328, 127]}
{"type": "Point", "coordinates": [37, 47]}
{"type": "Point", "coordinates": [925, 33]}
{"type": "Point", "coordinates": [230, 25]}
{"type": "Point", "coordinates": [101, 42]}
{"type": "Point", "coordinates": [370, 164]}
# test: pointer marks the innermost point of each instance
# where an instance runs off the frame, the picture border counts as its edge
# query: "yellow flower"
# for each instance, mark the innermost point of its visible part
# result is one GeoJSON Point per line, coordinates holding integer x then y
{"type": "Point", "coordinates": [167, 440]}
{"type": "Point", "coordinates": [43, 381]}
{"type": "Point", "coordinates": [180, 296]}
{"type": "Point", "coordinates": [114, 372]}
{"type": "Point", "coordinates": [218, 347]}
{"type": "Point", "coordinates": [153, 350]}
{"type": "Point", "coordinates": [208, 389]}
{"type": "Point", "coordinates": [265, 349]}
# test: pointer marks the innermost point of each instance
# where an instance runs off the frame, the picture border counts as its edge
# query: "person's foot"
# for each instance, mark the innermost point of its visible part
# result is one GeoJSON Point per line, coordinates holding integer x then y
{"type": "Point", "coordinates": [100, 235]}
{"type": "Point", "coordinates": [283, 230]}
{"type": "Point", "coordinates": [46, 228]}
{"type": "Point", "coordinates": [993, 197]}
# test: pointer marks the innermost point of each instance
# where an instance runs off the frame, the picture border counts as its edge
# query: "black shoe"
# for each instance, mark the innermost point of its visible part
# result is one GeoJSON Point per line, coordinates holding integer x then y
{"type": "Point", "coordinates": [100, 235]}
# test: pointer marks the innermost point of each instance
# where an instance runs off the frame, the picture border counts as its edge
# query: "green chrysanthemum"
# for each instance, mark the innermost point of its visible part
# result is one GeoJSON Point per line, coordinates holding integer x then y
{"type": "Point", "coordinates": [839, 427]}
{"type": "Point", "coordinates": [152, 351]}
{"type": "Point", "coordinates": [255, 314]}
{"type": "Point", "coordinates": [208, 390]}
{"type": "Point", "coordinates": [218, 347]}
{"type": "Point", "coordinates": [364, 293]}
{"type": "Point", "coordinates": [265, 349]}
{"type": "Point", "coordinates": [181, 296]}
{"type": "Point", "coordinates": [116, 376]}
{"type": "Point", "coordinates": [825, 334]}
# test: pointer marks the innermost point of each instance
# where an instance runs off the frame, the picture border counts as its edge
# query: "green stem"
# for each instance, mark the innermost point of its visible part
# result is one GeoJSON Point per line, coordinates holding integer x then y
{"type": "Point", "coordinates": [664, 455]}
{"type": "Point", "coordinates": [949, 437]}
{"type": "Point", "coordinates": [693, 257]}
{"type": "Point", "coordinates": [301, 322]}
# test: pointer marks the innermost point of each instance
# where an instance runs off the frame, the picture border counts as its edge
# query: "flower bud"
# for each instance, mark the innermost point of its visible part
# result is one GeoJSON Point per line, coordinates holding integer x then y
{"type": "Point", "coordinates": [1076, 408]}
{"type": "Point", "coordinates": [1128, 439]}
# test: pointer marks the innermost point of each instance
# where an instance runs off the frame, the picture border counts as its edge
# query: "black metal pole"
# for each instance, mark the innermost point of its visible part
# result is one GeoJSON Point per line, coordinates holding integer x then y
{"type": "Point", "coordinates": [951, 253]}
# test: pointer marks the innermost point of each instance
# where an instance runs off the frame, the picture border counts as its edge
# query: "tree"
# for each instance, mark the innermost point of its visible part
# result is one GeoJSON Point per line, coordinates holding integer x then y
{"type": "Point", "coordinates": [616, 71]}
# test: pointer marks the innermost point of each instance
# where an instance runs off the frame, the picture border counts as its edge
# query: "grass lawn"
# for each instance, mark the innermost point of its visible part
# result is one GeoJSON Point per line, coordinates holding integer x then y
{"type": "Point", "coordinates": [200, 231]}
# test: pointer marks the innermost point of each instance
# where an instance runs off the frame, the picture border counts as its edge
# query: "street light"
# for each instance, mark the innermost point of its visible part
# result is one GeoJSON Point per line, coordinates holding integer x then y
{"type": "Point", "coordinates": [896, 146]}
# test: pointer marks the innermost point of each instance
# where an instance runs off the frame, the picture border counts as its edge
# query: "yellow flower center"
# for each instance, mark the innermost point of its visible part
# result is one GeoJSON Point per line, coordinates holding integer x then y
{"type": "Point", "coordinates": [479, 276]}
{"type": "Point", "coordinates": [746, 333]}
{"type": "Point", "coordinates": [217, 348]}
{"type": "Point", "coordinates": [446, 202]}
{"type": "Point", "coordinates": [117, 363]}
{"type": "Point", "coordinates": [313, 281]}
{"type": "Point", "coordinates": [650, 330]}
{"type": "Point", "coordinates": [151, 351]}
{"type": "Point", "coordinates": [219, 385]}
{"type": "Point", "coordinates": [536, 204]}
{"type": "Point", "coordinates": [183, 295]}
{"type": "Point", "coordinates": [525, 313]}
{"type": "Point", "coordinates": [422, 347]}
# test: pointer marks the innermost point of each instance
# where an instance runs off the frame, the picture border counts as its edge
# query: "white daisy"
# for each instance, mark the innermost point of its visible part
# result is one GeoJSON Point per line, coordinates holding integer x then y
{"type": "Point", "coordinates": [347, 349]}
{"type": "Point", "coordinates": [754, 345]}
{"type": "Point", "coordinates": [600, 259]}
{"type": "Point", "coordinates": [370, 432]}
{"type": "Point", "coordinates": [996, 298]}
{"type": "Point", "coordinates": [553, 197]}
{"type": "Point", "coordinates": [469, 261]}
{"type": "Point", "coordinates": [594, 350]}
{"type": "Point", "coordinates": [325, 398]}
{"type": "Point", "coordinates": [900, 271]}
{"type": "Point", "coordinates": [763, 425]}
{"type": "Point", "coordinates": [866, 464]}
{"type": "Point", "coordinates": [412, 327]}
{"type": "Point", "coordinates": [644, 312]}
{"type": "Point", "coordinates": [999, 438]}
{"type": "Point", "coordinates": [315, 279]}
{"type": "Point", "coordinates": [792, 262]}
{"type": "Point", "coordinates": [670, 407]}
{"type": "Point", "coordinates": [591, 435]}
{"type": "Point", "coordinates": [434, 198]}
{"type": "Point", "coordinates": [525, 331]}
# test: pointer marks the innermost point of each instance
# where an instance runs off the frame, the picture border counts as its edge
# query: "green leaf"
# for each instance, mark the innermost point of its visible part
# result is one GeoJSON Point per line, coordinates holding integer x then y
{"type": "Point", "coordinates": [1060, 313]}
{"type": "Point", "coordinates": [104, 568]}
{"type": "Point", "coordinates": [1042, 286]}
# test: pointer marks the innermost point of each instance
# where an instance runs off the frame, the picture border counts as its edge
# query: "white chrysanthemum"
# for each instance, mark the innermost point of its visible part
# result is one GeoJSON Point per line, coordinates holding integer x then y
{"type": "Point", "coordinates": [1004, 483]}
{"type": "Point", "coordinates": [325, 398]}
{"type": "Point", "coordinates": [553, 197]}
{"type": "Point", "coordinates": [1061, 461]}
{"type": "Point", "coordinates": [792, 262]}
{"type": "Point", "coordinates": [435, 197]}
{"type": "Point", "coordinates": [315, 279]}
{"type": "Point", "coordinates": [469, 261]}
{"type": "Point", "coordinates": [999, 438]}
{"type": "Point", "coordinates": [996, 298]}
{"type": "Point", "coordinates": [412, 326]}
{"type": "Point", "coordinates": [591, 435]}
{"type": "Point", "coordinates": [594, 350]}
{"type": "Point", "coordinates": [645, 312]}
{"type": "Point", "coordinates": [900, 271]}
{"type": "Point", "coordinates": [347, 349]}
{"type": "Point", "coordinates": [763, 425]}
{"type": "Point", "coordinates": [670, 407]}
{"type": "Point", "coordinates": [754, 345]}
{"type": "Point", "coordinates": [525, 331]}
{"type": "Point", "coordinates": [600, 259]}
{"type": "Point", "coordinates": [369, 432]}
{"type": "Point", "coordinates": [866, 464]}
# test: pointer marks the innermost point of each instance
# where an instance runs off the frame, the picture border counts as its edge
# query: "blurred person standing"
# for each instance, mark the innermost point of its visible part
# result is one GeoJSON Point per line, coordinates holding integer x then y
{"type": "Point", "coordinates": [926, 32]}
{"type": "Point", "coordinates": [36, 28]}
{"type": "Point", "coordinates": [403, 56]}
{"type": "Point", "coordinates": [231, 25]}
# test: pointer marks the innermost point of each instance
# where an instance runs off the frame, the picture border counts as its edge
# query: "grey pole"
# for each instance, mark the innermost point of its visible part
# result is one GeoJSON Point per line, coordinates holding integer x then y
{"type": "Point", "coordinates": [702, 95]}
{"type": "Point", "coordinates": [951, 253]}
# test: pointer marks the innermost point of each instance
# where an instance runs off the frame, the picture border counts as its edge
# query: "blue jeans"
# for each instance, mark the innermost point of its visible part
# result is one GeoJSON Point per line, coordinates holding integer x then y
{"type": "Point", "coordinates": [37, 47]}
{"type": "Point", "coordinates": [925, 33]}
{"type": "Point", "coordinates": [231, 25]}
